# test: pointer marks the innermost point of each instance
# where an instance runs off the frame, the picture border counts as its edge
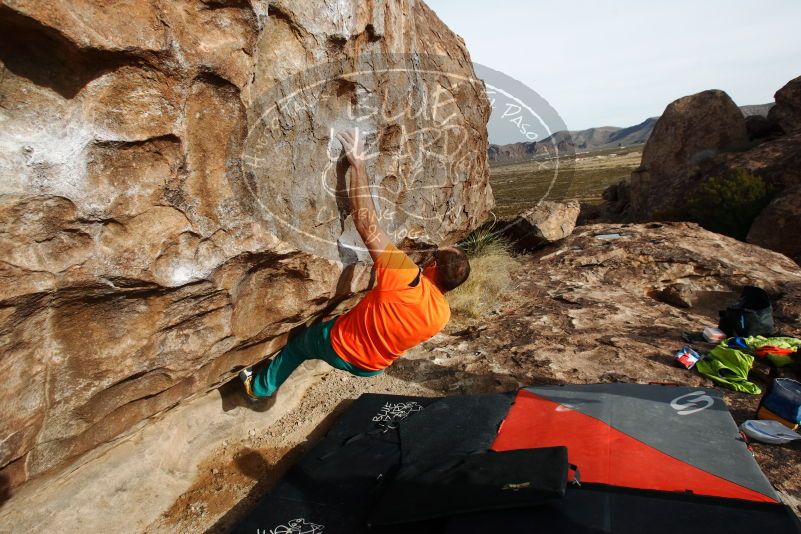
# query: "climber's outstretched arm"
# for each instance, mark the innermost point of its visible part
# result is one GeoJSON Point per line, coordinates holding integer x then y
{"type": "Point", "coordinates": [362, 207]}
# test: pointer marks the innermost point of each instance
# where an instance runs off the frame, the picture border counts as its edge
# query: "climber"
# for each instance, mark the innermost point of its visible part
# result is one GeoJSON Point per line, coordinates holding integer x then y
{"type": "Point", "coordinates": [405, 306]}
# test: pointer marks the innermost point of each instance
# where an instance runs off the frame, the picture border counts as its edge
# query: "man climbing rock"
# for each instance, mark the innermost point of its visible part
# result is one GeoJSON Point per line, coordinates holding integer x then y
{"type": "Point", "coordinates": [405, 307]}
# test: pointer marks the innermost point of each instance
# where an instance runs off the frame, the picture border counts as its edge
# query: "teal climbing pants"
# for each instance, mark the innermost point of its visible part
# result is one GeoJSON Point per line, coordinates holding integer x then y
{"type": "Point", "coordinates": [313, 343]}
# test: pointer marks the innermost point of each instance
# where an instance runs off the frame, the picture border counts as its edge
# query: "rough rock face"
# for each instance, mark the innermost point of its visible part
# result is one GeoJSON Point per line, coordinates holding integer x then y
{"type": "Point", "coordinates": [776, 161]}
{"type": "Point", "coordinates": [759, 127]}
{"type": "Point", "coordinates": [787, 111]}
{"type": "Point", "coordinates": [778, 227]}
{"type": "Point", "coordinates": [692, 129]}
{"type": "Point", "coordinates": [170, 206]}
{"type": "Point", "coordinates": [545, 223]}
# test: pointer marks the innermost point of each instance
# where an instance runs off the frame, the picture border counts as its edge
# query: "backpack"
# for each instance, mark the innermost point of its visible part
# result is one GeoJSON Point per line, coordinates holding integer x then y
{"type": "Point", "coordinates": [752, 315]}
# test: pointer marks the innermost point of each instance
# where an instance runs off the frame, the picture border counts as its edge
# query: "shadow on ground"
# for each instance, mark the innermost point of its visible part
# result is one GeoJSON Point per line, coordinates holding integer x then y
{"type": "Point", "coordinates": [448, 380]}
{"type": "Point", "coordinates": [253, 464]}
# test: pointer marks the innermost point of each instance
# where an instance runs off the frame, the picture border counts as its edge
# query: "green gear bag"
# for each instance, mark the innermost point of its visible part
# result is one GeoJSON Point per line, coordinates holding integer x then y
{"type": "Point", "coordinates": [729, 367]}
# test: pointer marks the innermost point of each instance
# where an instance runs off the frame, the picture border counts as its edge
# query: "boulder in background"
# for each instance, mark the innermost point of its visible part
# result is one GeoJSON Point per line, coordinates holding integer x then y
{"type": "Point", "coordinates": [787, 111]}
{"type": "Point", "coordinates": [692, 129]}
{"type": "Point", "coordinates": [547, 222]}
{"type": "Point", "coordinates": [778, 227]}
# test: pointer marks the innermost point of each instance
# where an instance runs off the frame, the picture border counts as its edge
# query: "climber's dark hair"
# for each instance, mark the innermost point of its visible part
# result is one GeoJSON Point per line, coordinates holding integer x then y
{"type": "Point", "coordinates": [453, 267]}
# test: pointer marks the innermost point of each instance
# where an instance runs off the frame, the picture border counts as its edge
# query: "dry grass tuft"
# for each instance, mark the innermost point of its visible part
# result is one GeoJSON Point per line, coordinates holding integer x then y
{"type": "Point", "coordinates": [491, 266]}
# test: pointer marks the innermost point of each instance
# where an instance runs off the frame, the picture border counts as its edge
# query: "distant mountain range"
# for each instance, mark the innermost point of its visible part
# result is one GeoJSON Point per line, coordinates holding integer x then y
{"type": "Point", "coordinates": [600, 138]}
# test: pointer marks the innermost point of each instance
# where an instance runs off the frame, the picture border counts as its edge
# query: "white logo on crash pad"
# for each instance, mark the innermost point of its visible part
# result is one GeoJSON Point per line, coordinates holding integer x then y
{"type": "Point", "coordinates": [296, 526]}
{"type": "Point", "coordinates": [392, 413]}
{"type": "Point", "coordinates": [692, 403]}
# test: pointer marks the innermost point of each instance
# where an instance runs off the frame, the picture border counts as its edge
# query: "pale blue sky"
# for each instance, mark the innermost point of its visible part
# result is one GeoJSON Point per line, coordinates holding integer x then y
{"type": "Point", "coordinates": [617, 62]}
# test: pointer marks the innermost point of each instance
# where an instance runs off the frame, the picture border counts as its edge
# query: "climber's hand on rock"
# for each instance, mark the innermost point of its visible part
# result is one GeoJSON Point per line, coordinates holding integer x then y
{"type": "Point", "coordinates": [353, 144]}
{"type": "Point", "coordinates": [362, 207]}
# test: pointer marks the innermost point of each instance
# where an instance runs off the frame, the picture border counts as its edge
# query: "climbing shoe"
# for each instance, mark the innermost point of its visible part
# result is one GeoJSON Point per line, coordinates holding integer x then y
{"type": "Point", "coordinates": [246, 376]}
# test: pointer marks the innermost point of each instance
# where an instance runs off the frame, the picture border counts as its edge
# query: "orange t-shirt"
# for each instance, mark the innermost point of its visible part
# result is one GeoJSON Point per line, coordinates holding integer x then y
{"type": "Point", "coordinates": [393, 317]}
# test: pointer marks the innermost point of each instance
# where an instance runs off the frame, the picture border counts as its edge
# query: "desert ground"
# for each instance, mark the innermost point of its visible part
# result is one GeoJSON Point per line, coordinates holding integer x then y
{"type": "Point", "coordinates": [582, 176]}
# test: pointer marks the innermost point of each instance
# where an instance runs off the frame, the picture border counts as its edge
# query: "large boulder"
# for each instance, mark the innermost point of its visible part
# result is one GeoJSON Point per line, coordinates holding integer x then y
{"type": "Point", "coordinates": [692, 129]}
{"type": "Point", "coordinates": [778, 227]}
{"type": "Point", "coordinates": [545, 223]}
{"type": "Point", "coordinates": [787, 111]}
{"type": "Point", "coordinates": [171, 202]}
